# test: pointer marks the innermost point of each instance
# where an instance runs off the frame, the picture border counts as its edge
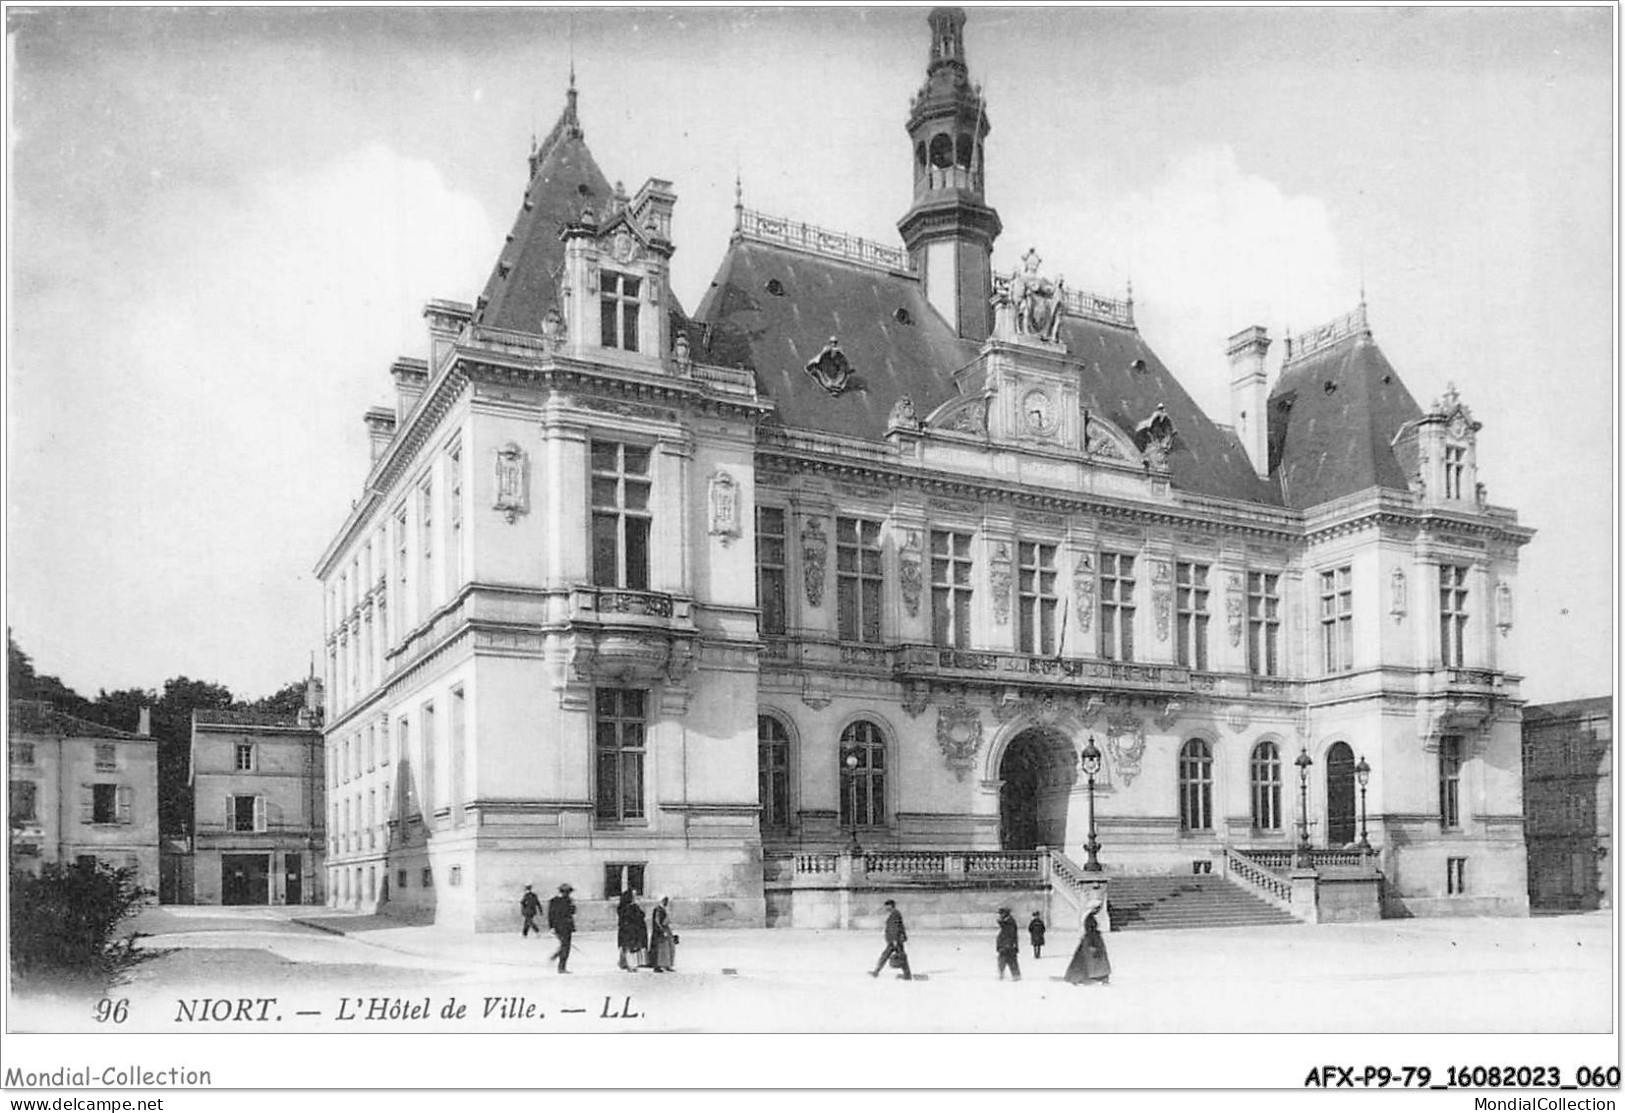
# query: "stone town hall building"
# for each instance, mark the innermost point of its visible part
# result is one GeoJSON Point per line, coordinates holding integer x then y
{"type": "Point", "coordinates": [865, 549]}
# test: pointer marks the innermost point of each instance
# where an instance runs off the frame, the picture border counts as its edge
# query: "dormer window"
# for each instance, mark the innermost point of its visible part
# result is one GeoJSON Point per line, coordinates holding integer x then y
{"type": "Point", "coordinates": [1455, 469]}
{"type": "Point", "coordinates": [618, 303]}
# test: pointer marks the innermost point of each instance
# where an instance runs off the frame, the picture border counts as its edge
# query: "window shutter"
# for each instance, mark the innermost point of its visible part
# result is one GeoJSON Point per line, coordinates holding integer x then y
{"type": "Point", "coordinates": [230, 813]}
{"type": "Point", "coordinates": [124, 796]}
{"type": "Point", "coordinates": [259, 813]}
{"type": "Point", "coordinates": [87, 804]}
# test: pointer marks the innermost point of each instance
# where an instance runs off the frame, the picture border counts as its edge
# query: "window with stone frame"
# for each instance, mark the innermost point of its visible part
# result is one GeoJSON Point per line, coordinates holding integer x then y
{"type": "Point", "coordinates": [619, 739]}
{"type": "Point", "coordinates": [245, 813]}
{"type": "Point", "coordinates": [1264, 623]}
{"type": "Point", "coordinates": [1453, 615]}
{"type": "Point", "coordinates": [1191, 612]}
{"type": "Point", "coordinates": [862, 756]}
{"type": "Point", "coordinates": [858, 579]}
{"type": "Point", "coordinates": [21, 753]}
{"type": "Point", "coordinates": [23, 797]}
{"type": "Point", "coordinates": [618, 310]}
{"type": "Point", "coordinates": [1455, 876]}
{"type": "Point", "coordinates": [621, 515]}
{"type": "Point", "coordinates": [1196, 786]}
{"type": "Point", "coordinates": [243, 754]}
{"type": "Point", "coordinates": [1450, 782]}
{"type": "Point", "coordinates": [454, 518]}
{"type": "Point", "coordinates": [770, 568]}
{"type": "Point", "coordinates": [1455, 470]}
{"type": "Point", "coordinates": [1337, 620]}
{"type": "Point", "coordinates": [426, 540]}
{"type": "Point", "coordinates": [1116, 606]}
{"type": "Point", "coordinates": [951, 592]}
{"type": "Point", "coordinates": [1265, 769]}
{"type": "Point", "coordinates": [403, 576]}
{"type": "Point", "coordinates": [106, 757]}
{"type": "Point", "coordinates": [1035, 588]}
{"type": "Point", "coordinates": [104, 803]}
{"type": "Point", "coordinates": [773, 772]}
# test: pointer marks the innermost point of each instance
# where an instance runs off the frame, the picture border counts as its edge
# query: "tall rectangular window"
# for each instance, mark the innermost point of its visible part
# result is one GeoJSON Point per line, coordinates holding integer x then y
{"type": "Point", "coordinates": [1035, 585]}
{"type": "Point", "coordinates": [1337, 620]}
{"type": "Point", "coordinates": [106, 757]}
{"type": "Point", "coordinates": [770, 568]}
{"type": "Point", "coordinates": [245, 757]}
{"type": "Point", "coordinates": [104, 803]}
{"type": "Point", "coordinates": [858, 579]}
{"type": "Point", "coordinates": [619, 741]}
{"type": "Point", "coordinates": [397, 606]}
{"type": "Point", "coordinates": [459, 759]}
{"type": "Point", "coordinates": [620, 515]}
{"type": "Point", "coordinates": [618, 306]}
{"type": "Point", "coordinates": [1264, 623]}
{"type": "Point", "coordinates": [1455, 470]}
{"type": "Point", "coordinates": [1117, 606]}
{"type": "Point", "coordinates": [454, 519]}
{"type": "Point", "coordinates": [245, 814]}
{"type": "Point", "coordinates": [950, 588]}
{"type": "Point", "coordinates": [1452, 614]}
{"type": "Point", "coordinates": [1450, 781]}
{"type": "Point", "coordinates": [1455, 876]}
{"type": "Point", "coordinates": [1191, 591]}
{"type": "Point", "coordinates": [23, 798]}
{"type": "Point", "coordinates": [431, 796]}
{"type": "Point", "coordinates": [426, 548]}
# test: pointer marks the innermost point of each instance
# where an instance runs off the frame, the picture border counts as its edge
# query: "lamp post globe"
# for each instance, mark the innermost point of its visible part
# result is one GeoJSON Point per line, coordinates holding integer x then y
{"type": "Point", "coordinates": [1090, 760]}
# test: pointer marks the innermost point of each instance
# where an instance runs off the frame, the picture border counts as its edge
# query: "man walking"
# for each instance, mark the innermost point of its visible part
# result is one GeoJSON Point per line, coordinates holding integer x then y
{"type": "Point", "coordinates": [530, 907]}
{"type": "Point", "coordinates": [561, 918]}
{"type": "Point", "coordinates": [1008, 945]}
{"type": "Point", "coordinates": [1036, 930]}
{"type": "Point", "coordinates": [896, 936]}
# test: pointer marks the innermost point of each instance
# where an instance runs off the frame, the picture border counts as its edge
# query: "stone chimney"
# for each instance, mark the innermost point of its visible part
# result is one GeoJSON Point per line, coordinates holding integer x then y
{"type": "Point", "coordinates": [380, 429]}
{"type": "Point", "coordinates": [411, 376]}
{"type": "Point", "coordinates": [1246, 350]}
{"type": "Point", "coordinates": [143, 725]}
{"type": "Point", "coordinates": [447, 319]}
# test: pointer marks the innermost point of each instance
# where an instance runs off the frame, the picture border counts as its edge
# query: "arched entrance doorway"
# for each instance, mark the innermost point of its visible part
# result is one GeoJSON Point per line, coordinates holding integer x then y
{"type": "Point", "coordinates": [1036, 776]}
{"type": "Point", "coordinates": [1339, 795]}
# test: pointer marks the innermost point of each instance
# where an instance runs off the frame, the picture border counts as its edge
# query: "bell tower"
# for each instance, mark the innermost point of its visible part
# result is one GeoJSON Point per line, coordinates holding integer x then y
{"type": "Point", "coordinates": [949, 230]}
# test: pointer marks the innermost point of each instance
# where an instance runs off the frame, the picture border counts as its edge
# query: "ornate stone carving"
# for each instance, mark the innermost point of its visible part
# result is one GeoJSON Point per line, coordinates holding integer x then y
{"type": "Point", "coordinates": [1503, 607]}
{"type": "Point", "coordinates": [554, 330]}
{"type": "Point", "coordinates": [1397, 594]}
{"type": "Point", "coordinates": [1238, 717]}
{"type": "Point", "coordinates": [1155, 437]}
{"type": "Point", "coordinates": [903, 415]}
{"type": "Point", "coordinates": [969, 418]}
{"type": "Point", "coordinates": [909, 573]}
{"type": "Point", "coordinates": [916, 697]}
{"type": "Point", "coordinates": [1044, 709]}
{"type": "Point", "coordinates": [959, 736]}
{"type": "Point", "coordinates": [1083, 590]}
{"type": "Point", "coordinates": [999, 580]}
{"type": "Point", "coordinates": [681, 354]}
{"type": "Point", "coordinates": [814, 551]}
{"type": "Point", "coordinates": [1039, 304]}
{"type": "Point", "coordinates": [1098, 441]}
{"type": "Point", "coordinates": [830, 368]}
{"type": "Point", "coordinates": [1169, 715]}
{"type": "Point", "coordinates": [513, 481]}
{"type": "Point", "coordinates": [1162, 597]}
{"type": "Point", "coordinates": [1235, 606]}
{"type": "Point", "coordinates": [1125, 744]}
{"type": "Point", "coordinates": [723, 506]}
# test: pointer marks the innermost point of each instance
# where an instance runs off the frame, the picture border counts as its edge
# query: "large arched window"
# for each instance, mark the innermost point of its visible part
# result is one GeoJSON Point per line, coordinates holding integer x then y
{"type": "Point", "coordinates": [1196, 786]}
{"type": "Point", "coordinates": [773, 772]}
{"type": "Point", "coordinates": [863, 775]}
{"type": "Point", "coordinates": [1266, 782]}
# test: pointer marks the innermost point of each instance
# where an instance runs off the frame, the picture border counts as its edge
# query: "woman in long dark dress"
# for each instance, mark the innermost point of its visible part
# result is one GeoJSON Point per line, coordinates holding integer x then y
{"type": "Point", "coordinates": [662, 940]}
{"type": "Point", "coordinates": [631, 934]}
{"type": "Point", "coordinates": [1090, 963]}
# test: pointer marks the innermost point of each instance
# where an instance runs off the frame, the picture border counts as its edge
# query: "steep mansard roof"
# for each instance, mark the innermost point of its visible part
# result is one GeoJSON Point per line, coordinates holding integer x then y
{"type": "Point", "coordinates": [1333, 416]}
{"type": "Point", "coordinates": [776, 334]}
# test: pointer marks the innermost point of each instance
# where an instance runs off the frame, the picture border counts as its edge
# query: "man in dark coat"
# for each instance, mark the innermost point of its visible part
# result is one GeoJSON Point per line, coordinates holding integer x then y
{"type": "Point", "coordinates": [1008, 945]}
{"type": "Point", "coordinates": [896, 936]}
{"type": "Point", "coordinates": [1035, 929]}
{"type": "Point", "coordinates": [530, 907]}
{"type": "Point", "coordinates": [561, 918]}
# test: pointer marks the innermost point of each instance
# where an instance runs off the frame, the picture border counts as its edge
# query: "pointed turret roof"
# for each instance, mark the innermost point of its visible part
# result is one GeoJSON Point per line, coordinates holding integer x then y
{"type": "Point", "coordinates": [1334, 414]}
{"type": "Point", "coordinates": [563, 180]}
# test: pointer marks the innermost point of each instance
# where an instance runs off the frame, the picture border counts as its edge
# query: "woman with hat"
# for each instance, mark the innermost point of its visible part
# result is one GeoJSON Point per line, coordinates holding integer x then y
{"type": "Point", "coordinates": [631, 932]}
{"type": "Point", "coordinates": [1090, 964]}
{"type": "Point", "coordinates": [662, 940]}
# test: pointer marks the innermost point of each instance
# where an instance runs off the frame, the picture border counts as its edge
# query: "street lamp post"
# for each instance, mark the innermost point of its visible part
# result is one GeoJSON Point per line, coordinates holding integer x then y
{"type": "Point", "coordinates": [854, 848]}
{"type": "Point", "coordinates": [1090, 758]}
{"type": "Point", "coordinates": [1303, 763]}
{"type": "Point", "coordinates": [1362, 773]}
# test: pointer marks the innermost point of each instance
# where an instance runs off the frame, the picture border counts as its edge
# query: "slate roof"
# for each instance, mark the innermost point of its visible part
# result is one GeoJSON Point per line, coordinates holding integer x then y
{"type": "Point", "coordinates": [246, 719]}
{"type": "Point", "coordinates": [564, 177]}
{"type": "Point", "coordinates": [776, 335]}
{"type": "Point", "coordinates": [1569, 709]}
{"type": "Point", "coordinates": [1333, 418]}
{"type": "Point", "coordinates": [42, 717]}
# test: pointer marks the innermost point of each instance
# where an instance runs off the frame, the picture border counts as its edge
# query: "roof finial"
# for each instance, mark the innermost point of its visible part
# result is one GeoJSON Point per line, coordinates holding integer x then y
{"type": "Point", "coordinates": [739, 201]}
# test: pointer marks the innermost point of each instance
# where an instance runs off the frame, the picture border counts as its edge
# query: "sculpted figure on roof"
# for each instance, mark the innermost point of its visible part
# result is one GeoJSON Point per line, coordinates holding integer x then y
{"type": "Point", "coordinates": [1037, 300]}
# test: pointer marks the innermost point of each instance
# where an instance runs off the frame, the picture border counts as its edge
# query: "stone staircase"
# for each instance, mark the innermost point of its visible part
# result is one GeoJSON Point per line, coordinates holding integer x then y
{"type": "Point", "coordinates": [1150, 903]}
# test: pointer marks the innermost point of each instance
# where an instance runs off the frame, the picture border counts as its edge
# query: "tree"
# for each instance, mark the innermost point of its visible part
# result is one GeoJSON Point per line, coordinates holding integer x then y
{"type": "Point", "coordinates": [25, 683]}
{"type": "Point", "coordinates": [287, 700]}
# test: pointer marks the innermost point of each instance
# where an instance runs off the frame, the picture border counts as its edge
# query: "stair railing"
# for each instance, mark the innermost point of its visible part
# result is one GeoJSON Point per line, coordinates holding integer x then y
{"type": "Point", "coordinates": [1078, 885]}
{"type": "Point", "coordinates": [1258, 879]}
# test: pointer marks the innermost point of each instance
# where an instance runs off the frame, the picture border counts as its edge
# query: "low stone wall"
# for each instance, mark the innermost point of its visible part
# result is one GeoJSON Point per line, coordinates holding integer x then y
{"type": "Point", "coordinates": [938, 904]}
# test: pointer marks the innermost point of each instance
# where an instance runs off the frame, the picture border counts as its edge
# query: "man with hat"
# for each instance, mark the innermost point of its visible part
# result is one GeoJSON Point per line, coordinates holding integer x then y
{"type": "Point", "coordinates": [561, 918]}
{"type": "Point", "coordinates": [896, 936]}
{"type": "Point", "coordinates": [1008, 945]}
{"type": "Point", "coordinates": [530, 907]}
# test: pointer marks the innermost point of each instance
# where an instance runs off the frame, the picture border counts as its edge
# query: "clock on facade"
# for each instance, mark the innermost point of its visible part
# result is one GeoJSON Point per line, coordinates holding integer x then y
{"type": "Point", "coordinates": [1038, 413]}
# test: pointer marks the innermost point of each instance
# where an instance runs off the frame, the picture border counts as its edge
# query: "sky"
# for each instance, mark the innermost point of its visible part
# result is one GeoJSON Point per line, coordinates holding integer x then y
{"type": "Point", "coordinates": [222, 226]}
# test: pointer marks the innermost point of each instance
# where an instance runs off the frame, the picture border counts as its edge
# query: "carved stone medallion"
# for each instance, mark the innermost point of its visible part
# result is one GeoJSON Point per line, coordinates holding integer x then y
{"type": "Point", "coordinates": [959, 736]}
